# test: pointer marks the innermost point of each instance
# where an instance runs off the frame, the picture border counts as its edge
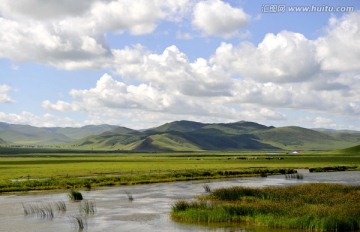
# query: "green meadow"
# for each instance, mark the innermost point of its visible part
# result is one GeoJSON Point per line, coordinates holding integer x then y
{"type": "Point", "coordinates": [24, 171]}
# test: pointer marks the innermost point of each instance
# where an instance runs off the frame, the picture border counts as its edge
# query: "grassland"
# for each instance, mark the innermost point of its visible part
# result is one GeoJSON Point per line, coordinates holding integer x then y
{"type": "Point", "coordinates": [309, 207]}
{"type": "Point", "coordinates": [36, 170]}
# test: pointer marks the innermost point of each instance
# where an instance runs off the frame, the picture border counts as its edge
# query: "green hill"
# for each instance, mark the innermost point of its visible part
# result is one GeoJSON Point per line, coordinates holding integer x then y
{"type": "Point", "coordinates": [292, 137]}
{"type": "Point", "coordinates": [183, 136]}
{"type": "Point", "coordinates": [30, 135]}
{"type": "Point", "coordinates": [242, 135]}
{"type": "Point", "coordinates": [237, 128]}
{"type": "Point", "coordinates": [180, 126]}
{"type": "Point", "coordinates": [166, 142]}
{"type": "Point", "coordinates": [120, 138]}
{"type": "Point", "coordinates": [2, 142]}
{"type": "Point", "coordinates": [351, 150]}
{"type": "Point", "coordinates": [82, 132]}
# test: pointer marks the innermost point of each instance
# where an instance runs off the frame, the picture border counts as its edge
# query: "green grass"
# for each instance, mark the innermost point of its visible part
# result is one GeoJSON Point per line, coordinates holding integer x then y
{"type": "Point", "coordinates": [310, 207]}
{"type": "Point", "coordinates": [44, 171]}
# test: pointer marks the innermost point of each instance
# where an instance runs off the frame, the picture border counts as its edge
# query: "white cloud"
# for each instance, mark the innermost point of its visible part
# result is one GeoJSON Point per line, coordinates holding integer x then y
{"type": "Point", "coordinates": [74, 37]}
{"type": "Point", "coordinates": [4, 94]}
{"type": "Point", "coordinates": [50, 44]}
{"type": "Point", "coordinates": [285, 57]}
{"type": "Point", "coordinates": [45, 120]}
{"type": "Point", "coordinates": [215, 17]}
{"type": "Point", "coordinates": [172, 71]}
{"type": "Point", "coordinates": [43, 10]}
{"type": "Point", "coordinates": [339, 49]}
{"type": "Point", "coordinates": [109, 94]}
{"type": "Point", "coordinates": [61, 106]}
{"type": "Point", "coordinates": [169, 86]}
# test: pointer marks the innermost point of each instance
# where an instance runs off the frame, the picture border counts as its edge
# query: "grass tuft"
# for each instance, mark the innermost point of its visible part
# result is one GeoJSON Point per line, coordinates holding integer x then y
{"type": "Point", "coordinates": [44, 211]}
{"type": "Point", "coordinates": [310, 207]}
{"type": "Point", "coordinates": [60, 206]}
{"type": "Point", "coordinates": [297, 176]}
{"type": "Point", "coordinates": [129, 196]}
{"type": "Point", "coordinates": [207, 188]}
{"type": "Point", "coordinates": [75, 195]}
{"type": "Point", "coordinates": [79, 222]}
{"type": "Point", "coordinates": [87, 207]}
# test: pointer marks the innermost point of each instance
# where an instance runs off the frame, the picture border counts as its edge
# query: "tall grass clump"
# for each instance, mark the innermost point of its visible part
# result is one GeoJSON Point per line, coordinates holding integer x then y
{"type": "Point", "coordinates": [79, 222]}
{"type": "Point", "coordinates": [44, 211]}
{"type": "Point", "coordinates": [308, 207]}
{"type": "Point", "coordinates": [75, 195]}
{"type": "Point", "coordinates": [297, 176]}
{"type": "Point", "coordinates": [60, 206]}
{"type": "Point", "coordinates": [87, 207]}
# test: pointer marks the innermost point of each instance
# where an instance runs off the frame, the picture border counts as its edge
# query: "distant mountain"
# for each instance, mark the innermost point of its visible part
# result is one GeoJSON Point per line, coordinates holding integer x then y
{"type": "Point", "coordinates": [82, 132]}
{"type": "Point", "coordinates": [2, 142]}
{"type": "Point", "coordinates": [30, 135]}
{"type": "Point", "coordinates": [242, 135]}
{"type": "Point", "coordinates": [180, 126]}
{"type": "Point", "coordinates": [184, 136]}
{"type": "Point", "coordinates": [115, 138]}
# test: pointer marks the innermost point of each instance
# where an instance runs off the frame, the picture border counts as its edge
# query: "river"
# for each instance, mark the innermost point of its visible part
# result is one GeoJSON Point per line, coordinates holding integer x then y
{"type": "Point", "coordinates": [149, 211]}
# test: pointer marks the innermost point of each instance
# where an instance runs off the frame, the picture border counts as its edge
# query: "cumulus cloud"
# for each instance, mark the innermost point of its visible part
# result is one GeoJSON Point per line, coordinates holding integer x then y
{"type": "Point", "coordinates": [339, 49]}
{"type": "Point", "coordinates": [43, 10]}
{"type": "Point", "coordinates": [173, 71]}
{"type": "Point", "coordinates": [74, 37]}
{"type": "Point", "coordinates": [113, 95]}
{"type": "Point", "coordinates": [281, 58]}
{"type": "Point", "coordinates": [4, 94]}
{"type": "Point", "coordinates": [168, 85]}
{"type": "Point", "coordinates": [215, 17]}
{"type": "Point", "coordinates": [50, 44]}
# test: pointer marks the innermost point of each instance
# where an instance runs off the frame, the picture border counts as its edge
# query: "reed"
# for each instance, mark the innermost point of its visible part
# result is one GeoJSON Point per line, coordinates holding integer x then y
{"type": "Point", "coordinates": [87, 207]}
{"type": "Point", "coordinates": [129, 196]}
{"type": "Point", "coordinates": [60, 206]}
{"type": "Point", "coordinates": [44, 211]}
{"type": "Point", "coordinates": [207, 188]}
{"type": "Point", "coordinates": [297, 176]}
{"type": "Point", "coordinates": [79, 222]}
{"type": "Point", "coordinates": [310, 207]}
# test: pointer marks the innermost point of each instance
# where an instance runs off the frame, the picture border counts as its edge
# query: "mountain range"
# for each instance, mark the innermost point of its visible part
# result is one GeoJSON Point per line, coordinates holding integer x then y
{"type": "Point", "coordinates": [30, 135]}
{"type": "Point", "coordinates": [183, 136]}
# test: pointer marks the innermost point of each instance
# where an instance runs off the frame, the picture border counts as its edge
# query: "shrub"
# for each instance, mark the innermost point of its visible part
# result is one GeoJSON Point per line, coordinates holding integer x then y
{"type": "Point", "coordinates": [75, 195]}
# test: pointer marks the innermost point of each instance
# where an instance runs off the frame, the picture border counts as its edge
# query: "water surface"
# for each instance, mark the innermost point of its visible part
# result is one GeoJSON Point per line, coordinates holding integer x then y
{"type": "Point", "coordinates": [149, 211]}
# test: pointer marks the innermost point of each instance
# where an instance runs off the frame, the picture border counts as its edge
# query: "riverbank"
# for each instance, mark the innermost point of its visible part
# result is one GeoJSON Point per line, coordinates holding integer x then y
{"type": "Point", "coordinates": [85, 171]}
{"type": "Point", "coordinates": [310, 207]}
{"type": "Point", "coordinates": [89, 183]}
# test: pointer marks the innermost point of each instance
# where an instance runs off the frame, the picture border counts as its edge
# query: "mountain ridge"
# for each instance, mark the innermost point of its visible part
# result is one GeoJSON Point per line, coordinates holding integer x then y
{"type": "Point", "coordinates": [31, 135]}
{"type": "Point", "coordinates": [183, 136]}
{"type": "Point", "coordinates": [242, 135]}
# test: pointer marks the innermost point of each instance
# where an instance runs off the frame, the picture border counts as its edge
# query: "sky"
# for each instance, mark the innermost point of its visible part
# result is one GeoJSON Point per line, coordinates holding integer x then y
{"type": "Point", "coordinates": [142, 63]}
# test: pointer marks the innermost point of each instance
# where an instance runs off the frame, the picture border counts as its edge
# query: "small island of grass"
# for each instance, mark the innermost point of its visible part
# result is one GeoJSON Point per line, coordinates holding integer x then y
{"type": "Point", "coordinates": [310, 207]}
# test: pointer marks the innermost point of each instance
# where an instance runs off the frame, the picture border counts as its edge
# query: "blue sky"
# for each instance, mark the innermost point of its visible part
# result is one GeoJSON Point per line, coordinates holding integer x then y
{"type": "Point", "coordinates": [142, 63]}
